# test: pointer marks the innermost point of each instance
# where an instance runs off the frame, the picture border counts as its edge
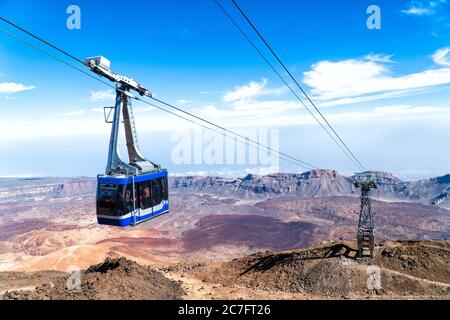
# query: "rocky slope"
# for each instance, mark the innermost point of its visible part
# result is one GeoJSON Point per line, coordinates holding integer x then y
{"type": "Point", "coordinates": [58, 228]}
{"type": "Point", "coordinates": [35, 188]}
{"type": "Point", "coordinates": [399, 270]}
{"type": "Point", "coordinates": [316, 183]}
{"type": "Point", "coordinates": [311, 183]}
{"type": "Point", "coordinates": [113, 279]}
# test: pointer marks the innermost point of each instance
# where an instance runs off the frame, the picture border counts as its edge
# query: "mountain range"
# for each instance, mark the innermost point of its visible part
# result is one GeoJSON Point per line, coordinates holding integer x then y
{"type": "Point", "coordinates": [315, 183]}
{"type": "Point", "coordinates": [50, 223]}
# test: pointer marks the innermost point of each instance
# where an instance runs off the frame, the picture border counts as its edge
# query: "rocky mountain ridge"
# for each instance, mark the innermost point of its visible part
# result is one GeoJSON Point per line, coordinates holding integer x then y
{"type": "Point", "coordinates": [434, 191]}
{"type": "Point", "coordinates": [35, 188]}
{"type": "Point", "coordinates": [315, 183]}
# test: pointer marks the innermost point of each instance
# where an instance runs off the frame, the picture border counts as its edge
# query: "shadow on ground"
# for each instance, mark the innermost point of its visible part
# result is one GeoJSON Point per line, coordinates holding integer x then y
{"type": "Point", "coordinates": [335, 251]}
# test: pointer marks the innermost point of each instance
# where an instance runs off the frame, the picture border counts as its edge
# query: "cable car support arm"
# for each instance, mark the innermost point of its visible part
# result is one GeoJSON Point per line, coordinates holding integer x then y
{"type": "Point", "coordinates": [138, 164]}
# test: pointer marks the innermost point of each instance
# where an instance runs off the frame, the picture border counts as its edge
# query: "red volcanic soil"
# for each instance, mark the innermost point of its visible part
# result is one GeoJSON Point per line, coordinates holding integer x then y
{"type": "Point", "coordinates": [142, 241]}
{"type": "Point", "coordinates": [13, 228]}
{"type": "Point", "coordinates": [254, 231]}
{"type": "Point", "coordinates": [142, 247]}
{"type": "Point", "coordinates": [393, 220]}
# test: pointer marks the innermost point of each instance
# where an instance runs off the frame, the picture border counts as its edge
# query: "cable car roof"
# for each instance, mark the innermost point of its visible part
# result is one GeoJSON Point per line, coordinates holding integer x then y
{"type": "Point", "coordinates": [123, 179]}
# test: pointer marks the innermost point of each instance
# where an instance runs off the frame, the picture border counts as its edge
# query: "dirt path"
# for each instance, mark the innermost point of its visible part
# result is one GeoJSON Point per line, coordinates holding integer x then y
{"type": "Point", "coordinates": [443, 284]}
{"type": "Point", "coordinates": [198, 290]}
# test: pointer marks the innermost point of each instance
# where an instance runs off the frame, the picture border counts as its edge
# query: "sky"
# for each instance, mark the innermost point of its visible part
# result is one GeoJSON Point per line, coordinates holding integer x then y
{"type": "Point", "coordinates": [385, 91]}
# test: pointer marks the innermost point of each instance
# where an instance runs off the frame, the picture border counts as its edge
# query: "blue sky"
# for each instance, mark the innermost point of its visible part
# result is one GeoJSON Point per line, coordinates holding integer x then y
{"type": "Point", "coordinates": [385, 91]}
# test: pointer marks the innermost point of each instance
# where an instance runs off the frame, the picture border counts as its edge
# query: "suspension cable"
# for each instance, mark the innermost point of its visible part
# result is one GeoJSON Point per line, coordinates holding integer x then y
{"type": "Point", "coordinates": [246, 140]}
{"type": "Point", "coordinates": [344, 146]}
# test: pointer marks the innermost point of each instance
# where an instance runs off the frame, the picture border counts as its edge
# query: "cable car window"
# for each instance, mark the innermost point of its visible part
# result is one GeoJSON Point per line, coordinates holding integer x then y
{"type": "Point", "coordinates": [107, 196]}
{"type": "Point", "coordinates": [129, 198]}
{"type": "Point", "coordinates": [157, 191]}
{"type": "Point", "coordinates": [144, 194]}
{"type": "Point", "coordinates": [120, 202]}
{"type": "Point", "coordinates": [165, 188]}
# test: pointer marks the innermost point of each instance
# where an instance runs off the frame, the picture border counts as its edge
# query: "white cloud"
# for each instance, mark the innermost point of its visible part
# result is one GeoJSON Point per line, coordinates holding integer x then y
{"type": "Point", "coordinates": [418, 11]}
{"type": "Point", "coordinates": [424, 7]}
{"type": "Point", "coordinates": [406, 109]}
{"type": "Point", "coordinates": [381, 114]}
{"type": "Point", "coordinates": [91, 124]}
{"type": "Point", "coordinates": [366, 98]}
{"type": "Point", "coordinates": [249, 112]}
{"type": "Point", "coordinates": [252, 90]}
{"type": "Point", "coordinates": [393, 113]}
{"type": "Point", "coordinates": [102, 95]}
{"type": "Point", "coordinates": [379, 57]}
{"type": "Point", "coordinates": [359, 77]}
{"type": "Point", "coordinates": [11, 87]}
{"type": "Point", "coordinates": [241, 113]}
{"type": "Point", "coordinates": [50, 127]}
{"type": "Point", "coordinates": [441, 56]}
{"type": "Point", "coordinates": [248, 108]}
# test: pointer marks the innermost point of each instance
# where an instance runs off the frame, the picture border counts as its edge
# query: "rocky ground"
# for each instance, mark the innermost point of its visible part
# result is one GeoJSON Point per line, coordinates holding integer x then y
{"type": "Point", "coordinates": [114, 279]}
{"type": "Point", "coordinates": [399, 270]}
{"type": "Point", "coordinates": [50, 224]}
{"type": "Point", "coordinates": [410, 269]}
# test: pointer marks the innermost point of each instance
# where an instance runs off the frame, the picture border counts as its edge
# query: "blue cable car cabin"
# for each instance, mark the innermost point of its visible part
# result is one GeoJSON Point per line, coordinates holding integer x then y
{"type": "Point", "coordinates": [133, 192]}
{"type": "Point", "coordinates": [128, 200]}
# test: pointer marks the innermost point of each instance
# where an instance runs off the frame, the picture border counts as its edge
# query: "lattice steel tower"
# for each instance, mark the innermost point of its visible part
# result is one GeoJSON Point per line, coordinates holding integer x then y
{"type": "Point", "coordinates": [366, 227]}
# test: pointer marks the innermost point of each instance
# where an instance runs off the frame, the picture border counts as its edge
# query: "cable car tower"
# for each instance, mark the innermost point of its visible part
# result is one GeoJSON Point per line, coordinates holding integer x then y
{"type": "Point", "coordinates": [134, 191]}
{"type": "Point", "coordinates": [366, 228]}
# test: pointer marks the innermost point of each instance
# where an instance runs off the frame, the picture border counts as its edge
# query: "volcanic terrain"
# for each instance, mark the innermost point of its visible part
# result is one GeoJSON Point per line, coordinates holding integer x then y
{"type": "Point", "coordinates": [49, 224]}
{"type": "Point", "coordinates": [400, 270]}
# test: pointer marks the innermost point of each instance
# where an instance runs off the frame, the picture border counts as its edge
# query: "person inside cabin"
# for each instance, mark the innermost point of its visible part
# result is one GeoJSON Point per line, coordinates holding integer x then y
{"type": "Point", "coordinates": [128, 201]}
{"type": "Point", "coordinates": [119, 210]}
{"type": "Point", "coordinates": [141, 198]}
{"type": "Point", "coordinates": [145, 197]}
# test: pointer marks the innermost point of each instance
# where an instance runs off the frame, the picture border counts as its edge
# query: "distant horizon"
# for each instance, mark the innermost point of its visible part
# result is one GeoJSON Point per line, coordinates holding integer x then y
{"type": "Point", "coordinates": [200, 174]}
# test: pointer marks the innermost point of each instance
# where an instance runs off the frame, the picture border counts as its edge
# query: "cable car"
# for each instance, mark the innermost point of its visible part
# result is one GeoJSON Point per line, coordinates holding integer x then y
{"type": "Point", "coordinates": [123, 200]}
{"type": "Point", "coordinates": [133, 192]}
